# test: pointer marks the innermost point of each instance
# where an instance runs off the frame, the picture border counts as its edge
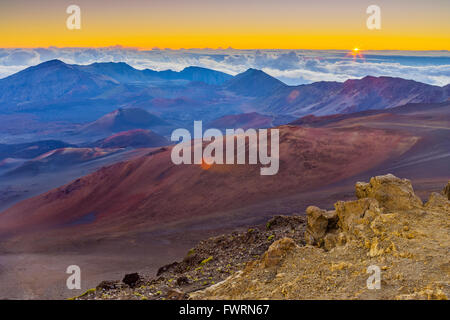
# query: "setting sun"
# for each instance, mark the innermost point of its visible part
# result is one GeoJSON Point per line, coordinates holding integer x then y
{"type": "Point", "coordinates": [356, 53]}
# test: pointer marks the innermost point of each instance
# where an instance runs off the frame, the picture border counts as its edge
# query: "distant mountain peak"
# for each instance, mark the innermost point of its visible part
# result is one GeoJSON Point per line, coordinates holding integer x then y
{"type": "Point", "coordinates": [51, 63]}
{"type": "Point", "coordinates": [254, 83]}
{"type": "Point", "coordinates": [252, 70]}
{"type": "Point", "coordinates": [195, 68]}
{"type": "Point", "coordinates": [209, 76]}
{"type": "Point", "coordinates": [122, 65]}
{"type": "Point", "coordinates": [55, 63]}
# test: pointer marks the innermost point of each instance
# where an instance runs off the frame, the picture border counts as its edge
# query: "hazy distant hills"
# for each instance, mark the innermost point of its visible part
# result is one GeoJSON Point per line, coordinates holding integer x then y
{"type": "Point", "coordinates": [57, 82]}
{"type": "Point", "coordinates": [50, 81]}
{"type": "Point", "coordinates": [204, 75]}
{"type": "Point", "coordinates": [124, 73]}
{"type": "Point", "coordinates": [81, 94]}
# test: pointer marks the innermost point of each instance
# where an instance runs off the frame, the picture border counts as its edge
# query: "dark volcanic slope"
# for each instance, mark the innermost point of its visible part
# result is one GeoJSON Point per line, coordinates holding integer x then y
{"type": "Point", "coordinates": [147, 192]}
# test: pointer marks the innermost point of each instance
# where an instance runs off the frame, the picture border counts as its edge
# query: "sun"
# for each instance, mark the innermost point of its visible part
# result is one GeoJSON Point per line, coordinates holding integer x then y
{"type": "Point", "coordinates": [355, 53]}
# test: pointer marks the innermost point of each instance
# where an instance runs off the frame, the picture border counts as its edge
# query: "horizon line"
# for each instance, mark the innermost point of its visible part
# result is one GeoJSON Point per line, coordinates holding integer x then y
{"type": "Point", "coordinates": [155, 48]}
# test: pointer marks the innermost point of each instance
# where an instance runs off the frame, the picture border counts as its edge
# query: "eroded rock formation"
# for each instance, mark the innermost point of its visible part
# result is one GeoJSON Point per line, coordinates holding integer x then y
{"type": "Point", "coordinates": [387, 227]}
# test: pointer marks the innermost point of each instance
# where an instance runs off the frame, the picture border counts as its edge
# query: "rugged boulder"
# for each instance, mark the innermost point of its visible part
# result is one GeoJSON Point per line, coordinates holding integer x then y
{"type": "Point", "coordinates": [438, 201]}
{"type": "Point", "coordinates": [319, 223]}
{"type": "Point", "coordinates": [354, 217]}
{"type": "Point", "coordinates": [391, 192]}
{"type": "Point", "coordinates": [446, 191]}
{"type": "Point", "coordinates": [278, 251]}
{"type": "Point", "coordinates": [132, 279]}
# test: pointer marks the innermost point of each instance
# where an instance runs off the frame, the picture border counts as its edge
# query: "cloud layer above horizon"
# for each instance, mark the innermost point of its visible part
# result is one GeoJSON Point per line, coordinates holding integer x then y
{"type": "Point", "coordinates": [293, 67]}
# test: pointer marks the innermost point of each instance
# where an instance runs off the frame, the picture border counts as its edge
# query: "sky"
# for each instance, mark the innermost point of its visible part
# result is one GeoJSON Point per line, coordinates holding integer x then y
{"type": "Point", "coordinates": [241, 24]}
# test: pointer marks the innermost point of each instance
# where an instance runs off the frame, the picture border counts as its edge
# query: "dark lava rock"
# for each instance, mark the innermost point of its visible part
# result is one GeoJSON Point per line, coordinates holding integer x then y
{"type": "Point", "coordinates": [166, 268]}
{"type": "Point", "coordinates": [132, 279]}
{"type": "Point", "coordinates": [107, 285]}
{"type": "Point", "coordinates": [292, 222]}
{"type": "Point", "coordinates": [182, 281]}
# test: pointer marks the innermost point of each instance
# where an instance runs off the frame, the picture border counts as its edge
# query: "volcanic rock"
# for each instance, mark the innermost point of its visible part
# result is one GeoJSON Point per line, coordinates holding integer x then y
{"type": "Point", "coordinates": [408, 242]}
{"type": "Point", "coordinates": [175, 294]}
{"type": "Point", "coordinates": [278, 251]}
{"type": "Point", "coordinates": [132, 279]}
{"type": "Point", "coordinates": [391, 192]}
{"type": "Point", "coordinates": [318, 223]}
{"type": "Point", "coordinates": [107, 285]}
{"type": "Point", "coordinates": [446, 190]}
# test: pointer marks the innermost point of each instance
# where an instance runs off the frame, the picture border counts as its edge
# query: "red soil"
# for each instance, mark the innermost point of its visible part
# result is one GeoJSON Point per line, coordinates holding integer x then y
{"type": "Point", "coordinates": [150, 191]}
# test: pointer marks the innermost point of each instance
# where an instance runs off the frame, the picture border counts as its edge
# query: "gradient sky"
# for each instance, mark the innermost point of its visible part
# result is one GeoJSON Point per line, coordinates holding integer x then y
{"type": "Point", "coordinates": [242, 24]}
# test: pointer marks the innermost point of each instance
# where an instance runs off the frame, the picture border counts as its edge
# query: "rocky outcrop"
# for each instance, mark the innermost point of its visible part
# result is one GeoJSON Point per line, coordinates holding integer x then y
{"type": "Point", "coordinates": [446, 191]}
{"type": "Point", "coordinates": [391, 192]}
{"type": "Point", "coordinates": [438, 201]}
{"type": "Point", "coordinates": [386, 228]}
{"type": "Point", "coordinates": [278, 251]}
{"type": "Point", "coordinates": [132, 279]}
{"type": "Point", "coordinates": [353, 220]}
{"type": "Point", "coordinates": [319, 223]}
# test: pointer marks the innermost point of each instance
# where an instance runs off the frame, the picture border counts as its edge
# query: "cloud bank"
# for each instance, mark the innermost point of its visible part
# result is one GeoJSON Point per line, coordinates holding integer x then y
{"type": "Point", "coordinates": [290, 66]}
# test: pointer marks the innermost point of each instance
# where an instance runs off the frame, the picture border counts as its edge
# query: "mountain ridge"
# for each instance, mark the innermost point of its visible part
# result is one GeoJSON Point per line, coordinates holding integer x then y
{"type": "Point", "coordinates": [70, 88]}
{"type": "Point", "coordinates": [353, 95]}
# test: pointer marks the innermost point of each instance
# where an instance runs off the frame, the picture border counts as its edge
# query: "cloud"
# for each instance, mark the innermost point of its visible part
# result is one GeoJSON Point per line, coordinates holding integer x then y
{"type": "Point", "coordinates": [293, 67]}
{"type": "Point", "coordinates": [19, 58]}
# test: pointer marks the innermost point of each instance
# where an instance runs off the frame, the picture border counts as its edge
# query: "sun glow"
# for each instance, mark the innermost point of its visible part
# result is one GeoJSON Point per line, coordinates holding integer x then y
{"type": "Point", "coordinates": [355, 53]}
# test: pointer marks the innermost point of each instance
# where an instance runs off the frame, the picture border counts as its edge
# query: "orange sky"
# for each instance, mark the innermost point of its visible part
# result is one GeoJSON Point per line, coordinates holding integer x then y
{"type": "Point", "coordinates": [243, 24]}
